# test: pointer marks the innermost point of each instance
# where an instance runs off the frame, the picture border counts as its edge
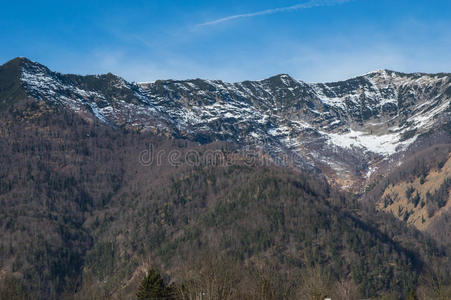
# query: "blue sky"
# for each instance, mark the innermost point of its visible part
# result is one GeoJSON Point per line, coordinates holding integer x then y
{"type": "Point", "coordinates": [234, 40]}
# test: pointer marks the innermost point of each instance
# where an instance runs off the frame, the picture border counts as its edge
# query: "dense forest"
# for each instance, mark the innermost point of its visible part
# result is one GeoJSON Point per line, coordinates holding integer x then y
{"type": "Point", "coordinates": [82, 217]}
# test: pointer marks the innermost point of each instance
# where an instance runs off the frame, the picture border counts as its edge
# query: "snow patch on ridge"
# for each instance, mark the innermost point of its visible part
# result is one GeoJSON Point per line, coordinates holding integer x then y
{"type": "Point", "coordinates": [386, 144]}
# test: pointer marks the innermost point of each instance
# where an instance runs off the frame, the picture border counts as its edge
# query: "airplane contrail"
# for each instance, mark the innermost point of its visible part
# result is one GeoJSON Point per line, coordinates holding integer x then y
{"type": "Point", "coordinates": [306, 5]}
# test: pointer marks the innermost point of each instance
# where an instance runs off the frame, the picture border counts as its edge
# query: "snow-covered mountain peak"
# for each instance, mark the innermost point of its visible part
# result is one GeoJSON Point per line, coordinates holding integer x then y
{"type": "Point", "coordinates": [344, 127]}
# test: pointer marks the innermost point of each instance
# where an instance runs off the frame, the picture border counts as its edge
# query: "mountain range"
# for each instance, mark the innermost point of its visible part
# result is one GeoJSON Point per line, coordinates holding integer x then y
{"type": "Point", "coordinates": [370, 148]}
{"type": "Point", "coordinates": [346, 129]}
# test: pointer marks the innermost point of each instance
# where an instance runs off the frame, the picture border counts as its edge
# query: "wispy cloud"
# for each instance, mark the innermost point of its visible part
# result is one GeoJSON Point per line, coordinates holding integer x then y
{"type": "Point", "coordinates": [310, 4]}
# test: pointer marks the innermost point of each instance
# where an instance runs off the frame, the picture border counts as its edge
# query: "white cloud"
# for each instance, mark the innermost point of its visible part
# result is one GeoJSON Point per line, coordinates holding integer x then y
{"type": "Point", "coordinates": [306, 5]}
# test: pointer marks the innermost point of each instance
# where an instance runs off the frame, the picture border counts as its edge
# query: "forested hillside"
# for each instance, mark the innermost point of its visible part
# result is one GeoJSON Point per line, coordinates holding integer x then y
{"type": "Point", "coordinates": [83, 215]}
{"type": "Point", "coordinates": [418, 192]}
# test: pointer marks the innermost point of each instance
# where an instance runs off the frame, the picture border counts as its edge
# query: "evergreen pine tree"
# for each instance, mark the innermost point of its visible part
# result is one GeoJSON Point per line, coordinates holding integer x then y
{"type": "Point", "coordinates": [152, 287]}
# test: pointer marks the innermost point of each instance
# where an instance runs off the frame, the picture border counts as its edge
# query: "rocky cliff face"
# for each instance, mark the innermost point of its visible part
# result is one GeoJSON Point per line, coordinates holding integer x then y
{"type": "Point", "coordinates": [346, 130]}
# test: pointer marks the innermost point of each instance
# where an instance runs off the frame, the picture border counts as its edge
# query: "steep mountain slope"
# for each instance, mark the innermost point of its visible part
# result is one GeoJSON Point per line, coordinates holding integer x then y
{"type": "Point", "coordinates": [83, 205]}
{"type": "Point", "coordinates": [347, 129]}
{"type": "Point", "coordinates": [81, 213]}
{"type": "Point", "coordinates": [418, 191]}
